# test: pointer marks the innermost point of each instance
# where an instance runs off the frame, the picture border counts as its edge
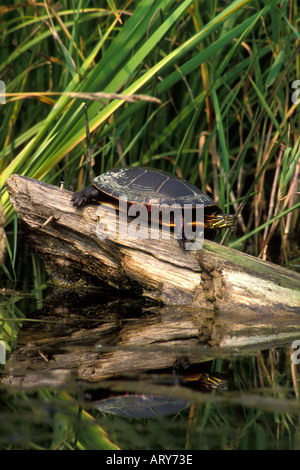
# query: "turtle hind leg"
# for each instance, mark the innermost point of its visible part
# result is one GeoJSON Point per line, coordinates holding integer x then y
{"type": "Point", "coordinates": [87, 195]}
{"type": "Point", "coordinates": [182, 244]}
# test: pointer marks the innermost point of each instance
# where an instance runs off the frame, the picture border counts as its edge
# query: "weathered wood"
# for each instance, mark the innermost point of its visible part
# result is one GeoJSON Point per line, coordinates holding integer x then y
{"type": "Point", "coordinates": [66, 237]}
{"type": "Point", "coordinates": [214, 277]}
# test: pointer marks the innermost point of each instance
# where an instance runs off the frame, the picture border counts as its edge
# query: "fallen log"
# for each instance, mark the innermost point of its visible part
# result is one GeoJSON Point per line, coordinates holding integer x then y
{"type": "Point", "coordinates": [214, 277]}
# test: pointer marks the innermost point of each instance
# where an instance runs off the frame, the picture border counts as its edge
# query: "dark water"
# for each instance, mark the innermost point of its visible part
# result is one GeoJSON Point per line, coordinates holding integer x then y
{"type": "Point", "coordinates": [90, 369]}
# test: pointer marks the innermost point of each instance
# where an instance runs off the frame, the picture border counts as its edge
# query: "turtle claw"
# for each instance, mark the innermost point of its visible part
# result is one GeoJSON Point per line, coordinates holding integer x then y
{"type": "Point", "coordinates": [87, 195]}
{"type": "Point", "coordinates": [78, 200]}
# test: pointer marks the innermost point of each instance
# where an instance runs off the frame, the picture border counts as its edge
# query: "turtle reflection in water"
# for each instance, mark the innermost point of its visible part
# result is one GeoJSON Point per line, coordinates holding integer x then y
{"type": "Point", "coordinates": [152, 406]}
{"type": "Point", "coordinates": [151, 187]}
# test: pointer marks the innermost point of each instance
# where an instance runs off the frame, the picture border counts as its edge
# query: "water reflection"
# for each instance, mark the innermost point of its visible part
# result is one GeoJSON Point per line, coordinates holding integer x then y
{"type": "Point", "coordinates": [79, 334]}
{"type": "Point", "coordinates": [86, 348]}
{"type": "Point", "coordinates": [145, 405]}
{"type": "Point", "coordinates": [90, 335]}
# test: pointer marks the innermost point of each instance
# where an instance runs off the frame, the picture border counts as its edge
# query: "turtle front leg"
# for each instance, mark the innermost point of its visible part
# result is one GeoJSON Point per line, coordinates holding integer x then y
{"type": "Point", "coordinates": [86, 196]}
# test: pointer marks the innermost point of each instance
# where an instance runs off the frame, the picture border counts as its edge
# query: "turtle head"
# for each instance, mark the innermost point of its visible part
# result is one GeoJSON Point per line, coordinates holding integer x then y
{"type": "Point", "coordinates": [218, 220]}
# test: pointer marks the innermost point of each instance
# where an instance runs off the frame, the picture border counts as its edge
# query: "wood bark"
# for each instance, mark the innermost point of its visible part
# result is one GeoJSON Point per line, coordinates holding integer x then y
{"type": "Point", "coordinates": [215, 276]}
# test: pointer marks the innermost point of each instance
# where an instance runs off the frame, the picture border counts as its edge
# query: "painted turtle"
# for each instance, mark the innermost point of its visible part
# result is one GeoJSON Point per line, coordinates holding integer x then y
{"type": "Point", "coordinates": [149, 187]}
{"type": "Point", "coordinates": [141, 406]}
{"type": "Point", "coordinates": [144, 405]}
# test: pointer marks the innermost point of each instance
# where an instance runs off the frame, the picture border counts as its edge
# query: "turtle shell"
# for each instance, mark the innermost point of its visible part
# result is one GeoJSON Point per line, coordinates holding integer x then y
{"type": "Point", "coordinates": [151, 186]}
{"type": "Point", "coordinates": [141, 406]}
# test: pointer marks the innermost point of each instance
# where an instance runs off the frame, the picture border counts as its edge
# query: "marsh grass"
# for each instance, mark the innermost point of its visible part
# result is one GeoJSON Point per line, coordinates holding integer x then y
{"type": "Point", "coordinates": [221, 74]}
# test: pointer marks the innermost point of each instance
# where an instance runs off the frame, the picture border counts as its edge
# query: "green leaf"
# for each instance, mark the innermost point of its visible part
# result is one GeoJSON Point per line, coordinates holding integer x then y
{"type": "Point", "coordinates": [276, 67]}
